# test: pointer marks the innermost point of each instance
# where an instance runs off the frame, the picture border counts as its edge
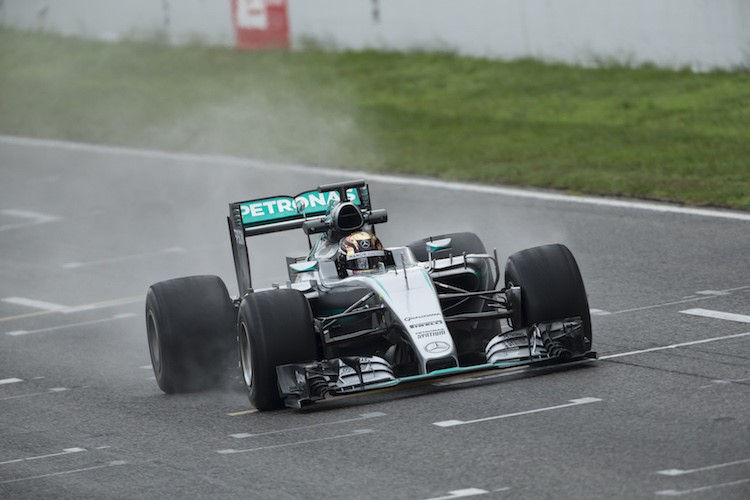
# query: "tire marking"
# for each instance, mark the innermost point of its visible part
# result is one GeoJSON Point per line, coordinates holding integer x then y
{"type": "Point", "coordinates": [708, 313]}
{"type": "Point", "coordinates": [364, 416]}
{"type": "Point", "coordinates": [66, 451]}
{"type": "Point", "coordinates": [382, 178]}
{"type": "Point", "coordinates": [358, 432]}
{"type": "Point", "coordinates": [114, 463]}
{"type": "Point", "coordinates": [675, 493]}
{"type": "Point", "coordinates": [682, 472]}
{"type": "Point", "coordinates": [573, 402]}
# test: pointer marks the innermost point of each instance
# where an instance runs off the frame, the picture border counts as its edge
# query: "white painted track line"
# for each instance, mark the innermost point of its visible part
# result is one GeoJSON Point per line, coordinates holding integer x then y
{"type": "Point", "coordinates": [104, 304]}
{"type": "Point", "coordinates": [712, 292]}
{"type": "Point", "coordinates": [32, 394]}
{"type": "Point", "coordinates": [708, 313]}
{"type": "Point", "coordinates": [114, 463]}
{"type": "Point", "coordinates": [28, 214]}
{"type": "Point", "coordinates": [382, 178]}
{"type": "Point", "coordinates": [674, 346]}
{"type": "Point", "coordinates": [716, 382]}
{"type": "Point", "coordinates": [32, 218]}
{"type": "Point", "coordinates": [509, 372]}
{"type": "Point", "coordinates": [36, 304]}
{"type": "Point", "coordinates": [49, 307]}
{"type": "Point", "coordinates": [703, 296]}
{"type": "Point", "coordinates": [664, 304]}
{"type": "Point", "coordinates": [11, 380]}
{"type": "Point", "coordinates": [242, 412]}
{"type": "Point", "coordinates": [364, 416]}
{"type": "Point", "coordinates": [66, 451]}
{"type": "Point", "coordinates": [682, 472]}
{"type": "Point", "coordinates": [676, 493]}
{"type": "Point", "coordinates": [359, 432]}
{"type": "Point", "coordinates": [123, 258]}
{"type": "Point", "coordinates": [466, 492]}
{"type": "Point", "coordinates": [573, 402]}
{"type": "Point", "coordinates": [17, 333]}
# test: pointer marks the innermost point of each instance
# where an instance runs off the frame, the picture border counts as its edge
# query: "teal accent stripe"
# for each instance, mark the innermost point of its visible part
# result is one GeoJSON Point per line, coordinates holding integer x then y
{"type": "Point", "coordinates": [429, 280]}
{"type": "Point", "coordinates": [381, 286]}
{"type": "Point", "coordinates": [446, 372]}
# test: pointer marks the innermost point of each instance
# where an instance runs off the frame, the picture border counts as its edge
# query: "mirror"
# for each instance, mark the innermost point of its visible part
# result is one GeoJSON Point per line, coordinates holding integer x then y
{"type": "Point", "coordinates": [304, 266]}
{"type": "Point", "coordinates": [435, 245]}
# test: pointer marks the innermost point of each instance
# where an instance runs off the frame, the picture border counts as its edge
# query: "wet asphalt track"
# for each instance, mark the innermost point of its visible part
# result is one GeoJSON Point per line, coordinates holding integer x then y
{"type": "Point", "coordinates": [81, 416]}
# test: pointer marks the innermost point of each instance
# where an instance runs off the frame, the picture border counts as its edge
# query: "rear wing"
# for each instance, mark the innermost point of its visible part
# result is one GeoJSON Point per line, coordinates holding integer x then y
{"type": "Point", "coordinates": [282, 213]}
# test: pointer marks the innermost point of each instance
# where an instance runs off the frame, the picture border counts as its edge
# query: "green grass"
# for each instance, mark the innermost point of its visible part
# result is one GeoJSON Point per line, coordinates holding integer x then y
{"type": "Point", "coordinates": [638, 132]}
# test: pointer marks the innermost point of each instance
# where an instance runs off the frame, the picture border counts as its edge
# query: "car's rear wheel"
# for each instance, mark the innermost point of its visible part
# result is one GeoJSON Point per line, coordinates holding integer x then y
{"type": "Point", "coordinates": [275, 327]}
{"type": "Point", "coordinates": [190, 331]}
{"type": "Point", "coordinates": [551, 286]}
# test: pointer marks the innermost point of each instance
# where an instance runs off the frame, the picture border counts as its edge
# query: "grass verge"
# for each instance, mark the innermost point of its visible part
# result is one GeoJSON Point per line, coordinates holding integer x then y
{"type": "Point", "coordinates": [643, 132]}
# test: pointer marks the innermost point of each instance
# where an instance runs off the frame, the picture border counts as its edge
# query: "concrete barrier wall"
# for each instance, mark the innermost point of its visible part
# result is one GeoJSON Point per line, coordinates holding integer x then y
{"type": "Point", "coordinates": [178, 21]}
{"type": "Point", "coordinates": [698, 33]}
{"type": "Point", "coordinates": [702, 34]}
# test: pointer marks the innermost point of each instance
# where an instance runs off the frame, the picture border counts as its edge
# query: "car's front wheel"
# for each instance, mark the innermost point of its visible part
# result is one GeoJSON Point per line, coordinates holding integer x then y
{"type": "Point", "coordinates": [551, 286]}
{"type": "Point", "coordinates": [275, 327]}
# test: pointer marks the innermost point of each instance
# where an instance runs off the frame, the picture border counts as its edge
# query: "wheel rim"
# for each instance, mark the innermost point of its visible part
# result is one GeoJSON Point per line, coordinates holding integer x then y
{"type": "Point", "coordinates": [246, 358]}
{"type": "Point", "coordinates": [153, 342]}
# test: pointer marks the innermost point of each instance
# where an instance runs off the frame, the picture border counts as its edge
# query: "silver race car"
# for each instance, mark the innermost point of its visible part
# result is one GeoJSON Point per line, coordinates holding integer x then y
{"type": "Point", "coordinates": [354, 315]}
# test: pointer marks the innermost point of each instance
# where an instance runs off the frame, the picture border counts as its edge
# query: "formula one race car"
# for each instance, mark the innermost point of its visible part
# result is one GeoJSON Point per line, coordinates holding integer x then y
{"type": "Point", "coordinates": [355, 316]}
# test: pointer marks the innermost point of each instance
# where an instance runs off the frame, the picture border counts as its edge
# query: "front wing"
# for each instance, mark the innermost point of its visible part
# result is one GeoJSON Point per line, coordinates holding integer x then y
{"type": "Point", "coordinates": [303, 383]}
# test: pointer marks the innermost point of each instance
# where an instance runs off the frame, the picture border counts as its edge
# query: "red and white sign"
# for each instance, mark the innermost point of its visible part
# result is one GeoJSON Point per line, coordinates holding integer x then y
{"type": "Point", "coordinates": [261, 24]}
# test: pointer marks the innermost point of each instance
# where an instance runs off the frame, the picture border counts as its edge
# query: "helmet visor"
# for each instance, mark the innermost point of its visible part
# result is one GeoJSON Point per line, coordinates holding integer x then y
{"type": "Point", "coordinates": [363, 261]}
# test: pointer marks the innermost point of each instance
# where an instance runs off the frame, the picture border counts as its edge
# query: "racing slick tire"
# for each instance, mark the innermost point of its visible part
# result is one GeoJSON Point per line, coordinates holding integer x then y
{"type": "Point", "coordinates": [275, 328]}
{"type": "Point", "coordinates": [190, 326]}
{"type": "Point", "coordinates": [460, 243]}
{"type": "Point", "coordinates": [551, 286]}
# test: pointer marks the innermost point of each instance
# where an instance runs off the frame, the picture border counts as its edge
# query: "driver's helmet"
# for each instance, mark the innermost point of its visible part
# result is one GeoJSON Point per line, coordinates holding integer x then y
{"type": "Point", "coordinates": [360, 252]}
